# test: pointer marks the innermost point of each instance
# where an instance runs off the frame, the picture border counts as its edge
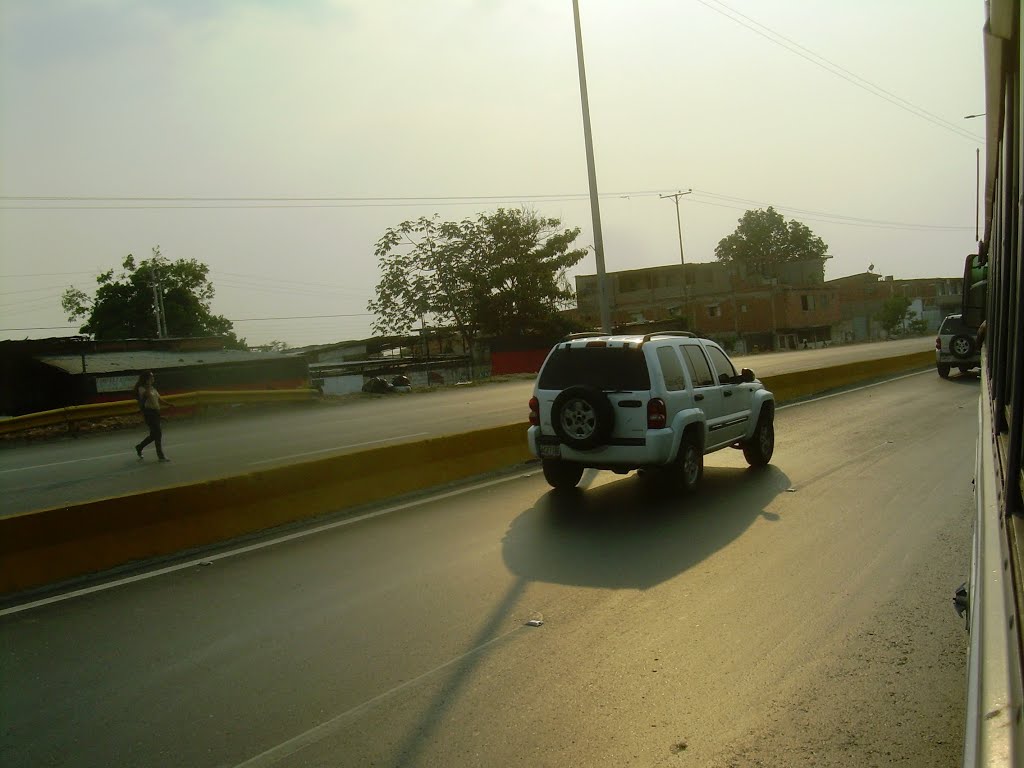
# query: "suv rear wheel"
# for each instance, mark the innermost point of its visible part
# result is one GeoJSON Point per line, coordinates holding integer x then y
{"type": "Point", "coordinates": [561, 475]}
{"type": "Point", "coordinates": [689, 463]}
{"type": "Point", "coordinates": [943, 369]}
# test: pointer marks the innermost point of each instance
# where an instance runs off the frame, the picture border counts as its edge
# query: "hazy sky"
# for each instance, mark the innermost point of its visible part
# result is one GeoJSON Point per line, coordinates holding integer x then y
{"type": "Point", "coordinates": [241, 108]}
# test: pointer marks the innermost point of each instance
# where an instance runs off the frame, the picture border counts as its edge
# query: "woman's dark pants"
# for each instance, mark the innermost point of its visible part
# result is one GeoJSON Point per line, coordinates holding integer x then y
{"type": "Point", "coordinates": [155, 433]}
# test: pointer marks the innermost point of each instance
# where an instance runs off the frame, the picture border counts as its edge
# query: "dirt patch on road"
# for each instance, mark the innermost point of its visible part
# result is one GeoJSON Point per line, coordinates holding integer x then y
{"type": "Point", "coordinates": [916, 647]}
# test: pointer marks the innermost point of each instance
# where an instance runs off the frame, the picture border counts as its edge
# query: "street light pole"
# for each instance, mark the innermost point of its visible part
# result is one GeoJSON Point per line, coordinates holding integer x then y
{"type": "Point", "coordinates": [682, 258]}
{"type": "Point", "coordinates": [595, 210]}
{"type": "Point", "coordinates": [977, 183]}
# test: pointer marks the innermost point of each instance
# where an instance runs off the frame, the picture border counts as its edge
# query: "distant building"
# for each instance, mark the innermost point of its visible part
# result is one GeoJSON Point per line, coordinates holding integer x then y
{"type": "Point", "coordinates": [42, 374]}
{"type": "Point", "coordinates": [862, 296]}
{"type": "Point", "coordinates": [720, 300]}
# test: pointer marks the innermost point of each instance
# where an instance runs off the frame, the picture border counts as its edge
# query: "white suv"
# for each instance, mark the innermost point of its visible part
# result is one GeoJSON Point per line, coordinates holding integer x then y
{"type": "Point", "coordinates": [658, 403]}
{"type": "Point", "coordinates": [956, 345]}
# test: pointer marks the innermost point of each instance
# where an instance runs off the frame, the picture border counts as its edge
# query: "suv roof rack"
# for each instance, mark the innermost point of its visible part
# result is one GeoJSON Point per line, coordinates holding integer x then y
{"type": "Point", "coordinates": [582, 335]}
{"type": "Point", "coordinates": [685, 334]}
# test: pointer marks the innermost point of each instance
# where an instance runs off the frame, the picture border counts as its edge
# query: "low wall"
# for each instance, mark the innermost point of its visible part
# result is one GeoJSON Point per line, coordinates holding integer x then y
{"type": "Point", "coordinates": [792, 386]}
{"type": "Point", "coordinates": [53, 545]}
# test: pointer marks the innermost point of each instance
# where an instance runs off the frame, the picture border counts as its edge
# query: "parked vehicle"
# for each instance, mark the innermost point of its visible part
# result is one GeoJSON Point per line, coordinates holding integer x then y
{"type": "Point", "coordinates": [956, 345]}
{"type": "Point", "coordinates": [658, 402]}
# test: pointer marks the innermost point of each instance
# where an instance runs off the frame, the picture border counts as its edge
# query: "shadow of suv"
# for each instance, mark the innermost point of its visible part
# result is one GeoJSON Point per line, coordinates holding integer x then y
{"type": "Point", "coordinates": [956, 345]}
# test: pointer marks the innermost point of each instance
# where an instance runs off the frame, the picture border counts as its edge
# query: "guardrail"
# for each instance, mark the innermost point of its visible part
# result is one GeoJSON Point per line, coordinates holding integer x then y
{"type": "Point", "coordinates": [73, 414]}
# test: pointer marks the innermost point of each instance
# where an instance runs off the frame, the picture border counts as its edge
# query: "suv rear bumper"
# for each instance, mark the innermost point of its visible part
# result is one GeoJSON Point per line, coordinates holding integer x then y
{"type": "Point", "coordinates": [951, 359]}
{"type": "Point", "coordinates": [656, 448]}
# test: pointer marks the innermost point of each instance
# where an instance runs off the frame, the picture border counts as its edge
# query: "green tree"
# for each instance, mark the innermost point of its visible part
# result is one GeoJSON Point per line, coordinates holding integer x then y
{"type": "Point", "coordinates": [123, 305]}
{"type": "Point", "coordinates": [764, 239]}
{"type": "Point", "coordinates": [502, 273]}
{"type": "Point", "coordinates": [895, 314]}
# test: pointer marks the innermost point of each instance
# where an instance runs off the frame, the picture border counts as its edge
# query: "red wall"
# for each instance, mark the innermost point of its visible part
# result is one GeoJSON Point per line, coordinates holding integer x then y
{"type": "Point", "coordinates": [522, 361]}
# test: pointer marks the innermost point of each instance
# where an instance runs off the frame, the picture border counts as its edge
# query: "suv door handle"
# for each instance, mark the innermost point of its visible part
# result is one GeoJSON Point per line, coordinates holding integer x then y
{"type": "Point", "coordinates": [727, 393]}
{"type": "Point", "coordinates": [698, 398]}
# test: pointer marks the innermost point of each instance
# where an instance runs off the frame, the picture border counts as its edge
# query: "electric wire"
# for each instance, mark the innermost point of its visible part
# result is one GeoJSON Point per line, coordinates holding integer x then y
{"type": "Point", "coordinates": [841, 72]}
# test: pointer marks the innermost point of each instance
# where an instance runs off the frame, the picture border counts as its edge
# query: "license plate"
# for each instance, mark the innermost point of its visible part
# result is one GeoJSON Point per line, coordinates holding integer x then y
{"type": "Point", "coordinates": [549, 451]}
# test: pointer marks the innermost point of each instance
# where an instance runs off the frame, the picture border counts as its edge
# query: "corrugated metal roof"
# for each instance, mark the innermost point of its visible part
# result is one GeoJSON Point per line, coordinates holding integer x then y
{"type": "Point", "coordinates": [149, 360]}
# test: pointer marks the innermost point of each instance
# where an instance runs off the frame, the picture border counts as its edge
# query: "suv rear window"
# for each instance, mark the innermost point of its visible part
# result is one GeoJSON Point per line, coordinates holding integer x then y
{"type": "Point", "coordinates": [608, 368]}
{"type": "Point", "coordinates": [951, 324]}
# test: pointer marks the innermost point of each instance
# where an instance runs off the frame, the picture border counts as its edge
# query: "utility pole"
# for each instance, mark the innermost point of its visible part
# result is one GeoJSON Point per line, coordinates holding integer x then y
{"type": "Point", "coordinates": [682, 258]}
{"type": "Point", "coordinates": [158, 292]}
{"type": "Point", "coordinates": [595, 210]}
{"type": "Point", "coordinates": [977, 191]}
{"type": "Point", "coordinates": [156, 303]}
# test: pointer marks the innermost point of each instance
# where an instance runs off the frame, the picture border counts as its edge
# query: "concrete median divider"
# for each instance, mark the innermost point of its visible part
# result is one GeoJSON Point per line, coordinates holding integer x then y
{"type": "Point", "coordinates": [793, 386]}
{"type": "Point", "coordinates": [74, 414]}
{"type": "Point", "coordinates": [54, 545]}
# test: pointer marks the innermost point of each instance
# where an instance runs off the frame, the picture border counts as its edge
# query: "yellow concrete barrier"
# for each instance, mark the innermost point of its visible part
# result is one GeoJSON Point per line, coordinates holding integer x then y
{"type": "Point", "coordinates": [792, 386]}
{"type": "Point", "coordinates": [53, 545]}
{"type": "Point", "coordinates": [92, 411]}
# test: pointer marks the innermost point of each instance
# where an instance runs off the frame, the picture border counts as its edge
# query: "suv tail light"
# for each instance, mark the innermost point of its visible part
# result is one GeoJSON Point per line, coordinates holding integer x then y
{"type": "Point", "coordinates": [534, 412]}
{"type": "Point", "coordinates": [656, 413]}
{"type": "Point", "coordinates": [938, 343]}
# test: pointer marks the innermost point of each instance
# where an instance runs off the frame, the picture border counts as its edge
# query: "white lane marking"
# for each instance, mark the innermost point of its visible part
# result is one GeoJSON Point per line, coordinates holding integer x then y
{"type": "Point", "coordinates": [287, 748]}
{"type": "Point", "coordinates": [128, 454]}
{"type": "Point", "coordinates": [336, 448]}
{"type": "Point", "coordinates": [125, 454]}
{"type": "Point", "coordinates": [851, 391]}
{"type": "Point", "coordinates": [264, 544]}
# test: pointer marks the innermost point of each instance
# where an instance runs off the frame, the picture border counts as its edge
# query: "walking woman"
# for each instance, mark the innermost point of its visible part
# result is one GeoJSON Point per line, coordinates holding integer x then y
{"type": "Point", "coordinates": [149, 402]}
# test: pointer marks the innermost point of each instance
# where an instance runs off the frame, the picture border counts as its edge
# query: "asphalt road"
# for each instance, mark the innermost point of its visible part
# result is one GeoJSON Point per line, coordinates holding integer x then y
{"type": "Point", "coordinates": [66, 471]}
{"type": "Point", "coordinates": [799, 615]}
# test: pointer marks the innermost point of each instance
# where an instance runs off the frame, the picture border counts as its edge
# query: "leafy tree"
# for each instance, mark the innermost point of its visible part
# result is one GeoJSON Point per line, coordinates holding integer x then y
{"type": "Point", "coordinates": [122, 307]}
{"type": "Point", "coordinates": [276, 346]}
{"type": "Point", "coordinates": [895, 314]}
{"type": "Point", "coordinates": [764, 239]}
{"type": "Point", "coordinates": [502, 273]}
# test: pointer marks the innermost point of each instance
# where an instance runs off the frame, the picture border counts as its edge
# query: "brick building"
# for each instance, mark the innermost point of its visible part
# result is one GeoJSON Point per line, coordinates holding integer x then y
{"type": "Point", "coordinates": [722, 301]}
{"type": "Point", "coordinates": [862, 296]}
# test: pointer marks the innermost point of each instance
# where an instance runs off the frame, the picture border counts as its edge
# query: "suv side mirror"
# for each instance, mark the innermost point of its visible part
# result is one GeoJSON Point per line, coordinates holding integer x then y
{"type": "Point", "coordinates": [747, 375]}
{"type": "Point", "coordinates": [725, 378]}
{"type": "Point", "coordinates": [975, 291]}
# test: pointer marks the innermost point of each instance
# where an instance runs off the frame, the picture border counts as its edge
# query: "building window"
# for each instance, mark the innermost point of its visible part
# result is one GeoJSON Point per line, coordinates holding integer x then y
{"type": "Point", "coordinates": [714, 310]}
{"type": "Point", "coordinates": [743, 307]}
{"type": "Point", "coordinates": [807, 302]}
{"type": "Point", "coordinates": [628, 283]}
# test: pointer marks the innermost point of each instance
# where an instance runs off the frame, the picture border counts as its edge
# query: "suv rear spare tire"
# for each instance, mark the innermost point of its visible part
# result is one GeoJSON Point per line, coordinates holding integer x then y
{"type": "Point", "coordinates": [961, 346]}
{"type": "Point", "coordinates": [582, 417]}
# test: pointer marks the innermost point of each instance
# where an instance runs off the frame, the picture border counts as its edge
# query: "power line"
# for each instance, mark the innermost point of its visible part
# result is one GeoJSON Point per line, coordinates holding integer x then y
{"type": "Point", "coordinates": [301, 317]}
{"type": "Point", "coordinates": [243, 320]}
{"type": "Point", "coordinates": [48, 274]}
{"type": "Point", "coordinates": [44, 328]}
{"type": "Point", "coordinates": [834, 218]}
{"type": "Point", "coordinates": [835, 69]}
{"type": "Point", "coordinates": [343, 202]}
